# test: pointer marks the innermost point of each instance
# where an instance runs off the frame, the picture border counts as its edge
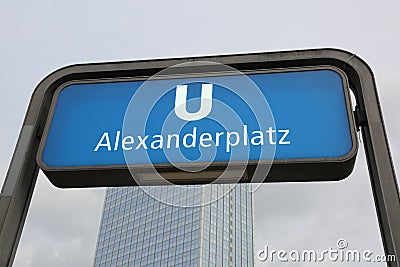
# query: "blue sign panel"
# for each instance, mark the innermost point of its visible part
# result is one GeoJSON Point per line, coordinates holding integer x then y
{"type": "Point", "coordinates": [293, 116]}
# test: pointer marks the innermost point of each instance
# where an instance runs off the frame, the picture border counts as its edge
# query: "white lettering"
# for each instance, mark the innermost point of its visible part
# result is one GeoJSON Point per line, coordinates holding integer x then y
{"type": "Point", "coordinates": [205, 137]}
{"type": "Point", "coordinates": [260, 137]}
{"type": "Point", "coordinates": [205, 106]}
{"type": "Point", "coordinates": [262, 254]}
{"type": "Point", "coordinates": [271, 136]}
{"type": "Point", "coordinates": [126, 142]}
{"type": "Point", "coordinates": [142, 141]}
{"type": "Point", "coordinates": [245, 135]}
{"type": "Point", "coordinates": [282, 255]}
{"type": "Point", "coordinates": [217, 136]}
{"type": "Point", "coordinates": [282, 139]}
{"type": "Point", "coordinates": [100, 143]}
{"type": "Point", "coordinates": [159, 142]}
{"type": "Point", "coordinates": [191, 139]}
{"type": "Point", "coordinates": [117, 140]}
{"type": "Point", "coordinates": [176, 140]}
{"type": "Point", "coordinates": [229, 143]}
{"type": "Point", "coordinates": [294, 255]}
{"type": "Point", "coordinates": [192, 136]}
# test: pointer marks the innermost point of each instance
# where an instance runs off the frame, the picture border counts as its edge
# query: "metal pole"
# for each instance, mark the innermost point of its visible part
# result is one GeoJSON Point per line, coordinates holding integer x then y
{"type": "Point", "coordinates": [17, 192]}
{"type": "Point", "coordinates": [380, 165]}
{"type": "Point", "coordinates": [21, 177]}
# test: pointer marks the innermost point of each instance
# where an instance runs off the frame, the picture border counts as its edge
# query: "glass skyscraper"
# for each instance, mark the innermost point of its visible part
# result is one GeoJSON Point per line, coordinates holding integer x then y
{"type": "Point", "coordinates": [176, 226]}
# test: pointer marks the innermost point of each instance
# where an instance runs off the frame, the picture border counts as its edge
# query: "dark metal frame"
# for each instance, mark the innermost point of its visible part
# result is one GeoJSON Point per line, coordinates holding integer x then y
{"type": "Point", "coordinates": [293, 170]}
{"type": "Point", "coordinates": [22, 174]}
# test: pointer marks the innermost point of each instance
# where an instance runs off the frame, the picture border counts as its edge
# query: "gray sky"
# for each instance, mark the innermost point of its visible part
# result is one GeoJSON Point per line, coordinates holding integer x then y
{"type": "Point", "coordinates": [37, 37]}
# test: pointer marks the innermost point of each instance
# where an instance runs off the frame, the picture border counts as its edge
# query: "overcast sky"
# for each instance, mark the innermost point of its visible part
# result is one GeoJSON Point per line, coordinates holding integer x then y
{"type": "Point", "coordinates": [38, 37]}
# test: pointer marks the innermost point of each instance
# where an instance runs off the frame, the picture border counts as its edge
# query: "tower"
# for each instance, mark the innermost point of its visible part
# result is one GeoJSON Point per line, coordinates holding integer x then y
{"type": "Point", "coordinates": [203, 226]}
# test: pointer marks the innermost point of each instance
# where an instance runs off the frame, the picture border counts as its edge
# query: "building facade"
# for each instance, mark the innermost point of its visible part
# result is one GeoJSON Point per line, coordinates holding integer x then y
{"type": "Point", "coordinates": [176, 226]}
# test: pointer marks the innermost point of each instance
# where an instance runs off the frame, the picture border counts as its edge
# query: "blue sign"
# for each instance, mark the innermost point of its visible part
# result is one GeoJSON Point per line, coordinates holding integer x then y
{"type": "Point", "coordinates": [293, 116]}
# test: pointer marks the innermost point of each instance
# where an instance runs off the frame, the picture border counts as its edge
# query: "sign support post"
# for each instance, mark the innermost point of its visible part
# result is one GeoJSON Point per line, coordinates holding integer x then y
{"type": "Point", "coordinates": [19, 184]}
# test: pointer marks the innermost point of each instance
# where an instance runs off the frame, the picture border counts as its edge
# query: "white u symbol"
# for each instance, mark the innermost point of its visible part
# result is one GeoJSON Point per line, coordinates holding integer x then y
{"type": "Point", "coordinates": [205, 104]}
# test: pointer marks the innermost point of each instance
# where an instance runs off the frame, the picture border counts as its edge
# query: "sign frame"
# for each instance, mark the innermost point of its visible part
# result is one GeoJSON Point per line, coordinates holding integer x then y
{"type": "Point", "coordinates": [20, 181]}
{"type": "Point", "coordinates": [292, 170]}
